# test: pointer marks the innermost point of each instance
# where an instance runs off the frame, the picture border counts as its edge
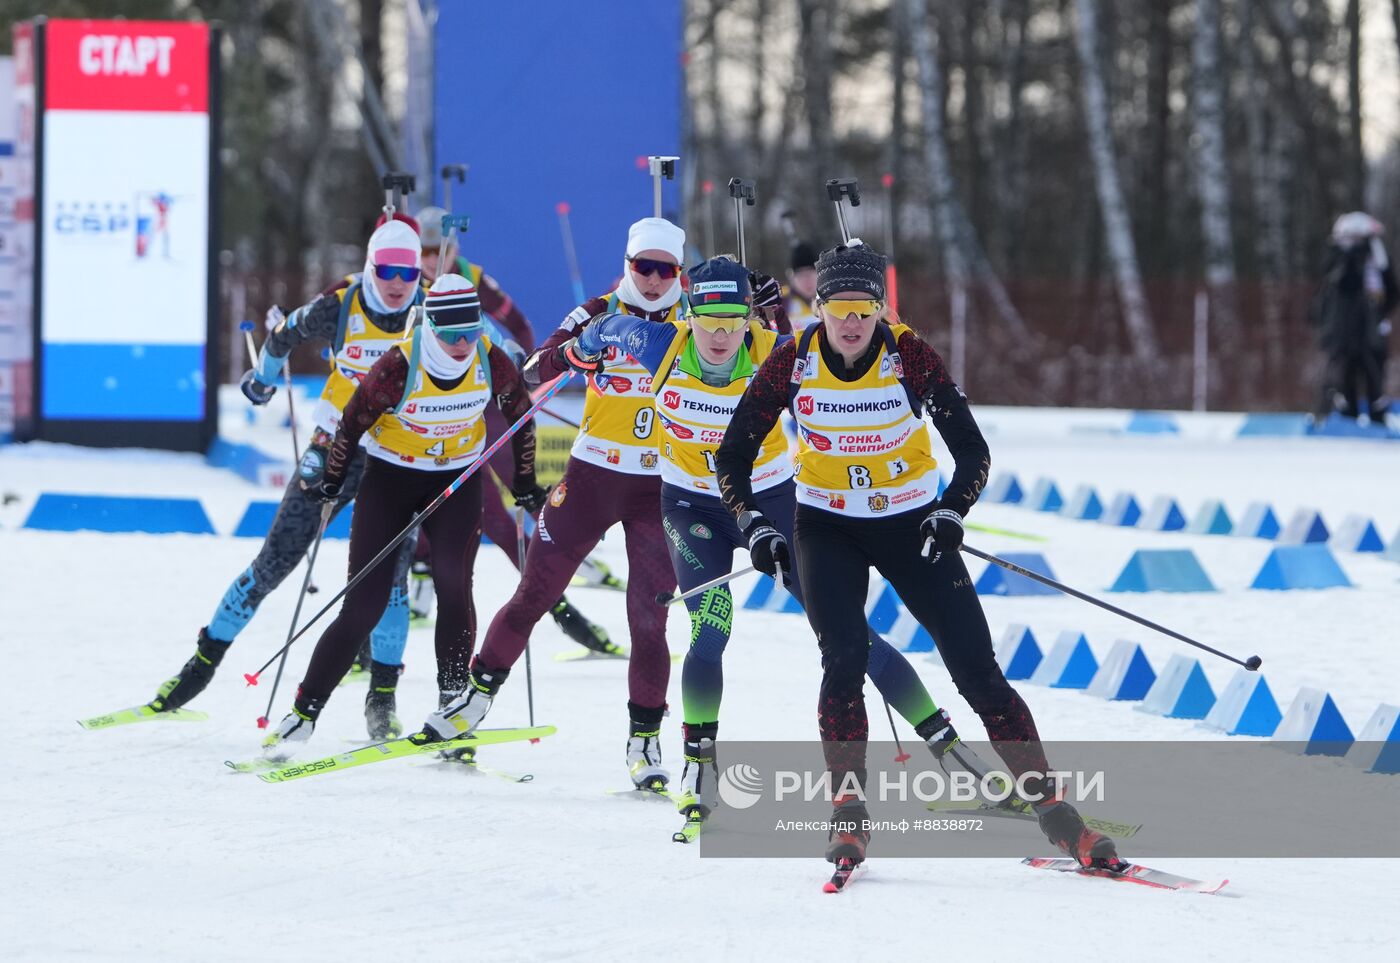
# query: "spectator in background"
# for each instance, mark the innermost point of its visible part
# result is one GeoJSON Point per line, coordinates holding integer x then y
{"type": "Point", "coordinates": [1351, 311]}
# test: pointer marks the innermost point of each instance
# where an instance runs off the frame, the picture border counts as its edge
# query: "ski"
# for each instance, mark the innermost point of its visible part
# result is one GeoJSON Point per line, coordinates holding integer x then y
{"type": "Point", "coordinates": [846, 869]}
{"type": "Point", "coordinates": [581, 654]}
{"type": "Point", "coordinates": [466, 758]}
{"type": "Point", "coordinates": [1126, 872]}
{"type": "Point", "coordinates": [143, 713]}
{"type": "Point", "coordinates": [1020, 810]}
{"type": "Point", "coordinates": [694, 826]}
{"type": "Point", "coordinates": [393, 749]}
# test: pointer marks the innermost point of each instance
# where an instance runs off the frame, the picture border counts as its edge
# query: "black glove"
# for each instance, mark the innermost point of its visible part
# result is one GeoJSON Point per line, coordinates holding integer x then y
{"type": "Point", "coordinates": [531, 499]}
{"type": "Point", "coordinates": [254, 390]}
{"type": "Point", "coordinates": [570, 354]}
{"type": "Point", "coordinates": [766, 291]}
{"type": "Point", "coordinates": [767, 547]}
{"type": "Point", "coordinates": [323, 490]}
{"type": "Point", "coordinates": [942, 531]}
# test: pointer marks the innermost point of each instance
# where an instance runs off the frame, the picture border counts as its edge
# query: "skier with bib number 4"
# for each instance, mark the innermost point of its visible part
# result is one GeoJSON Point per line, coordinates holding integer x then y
{"type": "Point", "coordinates": [420, 409]}
{"type": "Point", "coordinates": [854, 373]}
{"type": "Point", "coordinates": [702, 366]}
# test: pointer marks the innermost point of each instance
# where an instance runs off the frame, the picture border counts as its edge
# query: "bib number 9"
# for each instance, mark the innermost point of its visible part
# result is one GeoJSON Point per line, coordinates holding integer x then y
{"type": "Point", "coordinates": [642, 427]}
{"type": "Point", "coordinates": [859, 476]}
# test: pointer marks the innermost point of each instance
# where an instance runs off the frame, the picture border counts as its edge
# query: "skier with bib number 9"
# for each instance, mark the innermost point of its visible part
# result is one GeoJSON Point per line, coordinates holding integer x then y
{"type": "Point", "coordinates": [854, 373]}
{"type": "Point", "coordinates": [613, 475]}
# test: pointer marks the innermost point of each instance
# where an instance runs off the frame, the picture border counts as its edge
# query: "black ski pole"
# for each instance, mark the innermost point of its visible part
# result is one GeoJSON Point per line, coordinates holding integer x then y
{"type": "Point", "coordinates": [326, 510]}
{"type": "Point", "coordinates": [252, 677]}
{"type": "Point", "coordinates": [520, 557]}
{"type": "Point", "coordinates": [743, 193]}
{"type": "Point", "coordinates": [1252, 663]}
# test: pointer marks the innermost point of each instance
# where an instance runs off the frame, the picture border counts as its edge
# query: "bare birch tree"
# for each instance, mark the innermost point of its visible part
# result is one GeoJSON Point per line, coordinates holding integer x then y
{"type": "Point", "coordinates": [1212, 169]}
{"type": "Point", "coordinates": [1118, 231]}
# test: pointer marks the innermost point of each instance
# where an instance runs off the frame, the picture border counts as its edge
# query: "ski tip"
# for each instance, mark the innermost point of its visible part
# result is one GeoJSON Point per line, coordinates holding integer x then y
{"type": "Point", "coordinates": [251, 678]}
{"type": "Point", "coordinates": [830, 887]}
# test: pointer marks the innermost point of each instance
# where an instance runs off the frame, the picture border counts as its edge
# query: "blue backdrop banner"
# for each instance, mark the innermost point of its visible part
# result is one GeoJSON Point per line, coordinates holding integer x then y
{"type": "Point", "coordinates": [556, 103]}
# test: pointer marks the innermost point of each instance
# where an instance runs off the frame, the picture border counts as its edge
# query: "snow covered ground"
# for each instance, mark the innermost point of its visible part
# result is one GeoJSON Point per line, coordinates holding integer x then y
{"type": "Point", "coordinates": [138, 843]}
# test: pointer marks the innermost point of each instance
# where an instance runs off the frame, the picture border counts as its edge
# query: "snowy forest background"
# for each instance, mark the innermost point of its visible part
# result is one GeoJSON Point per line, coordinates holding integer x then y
{"type": "Point", "coordinates": [1072, 175]}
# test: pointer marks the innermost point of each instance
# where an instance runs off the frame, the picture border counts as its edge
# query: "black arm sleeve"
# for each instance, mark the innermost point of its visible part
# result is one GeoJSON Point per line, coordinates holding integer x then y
{"type": "Point", "coordinates": [946, 406]}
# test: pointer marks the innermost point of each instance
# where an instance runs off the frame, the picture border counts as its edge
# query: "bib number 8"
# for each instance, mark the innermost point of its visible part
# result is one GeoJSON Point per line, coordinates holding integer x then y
{"type": "Point", "coordinates": [859, 476]}
{"type": "Point", "coordinates": [642, 427]}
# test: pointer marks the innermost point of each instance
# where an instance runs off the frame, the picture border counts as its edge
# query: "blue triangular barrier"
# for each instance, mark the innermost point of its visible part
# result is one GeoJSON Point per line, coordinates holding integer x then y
{"type": "Point", "coordinates": [1315, 723]}
{"type": "Point", "coordinates": [1084, 504]}
{"type": "Point", "coordinates": [1358, 534]}
{"type": "Point", "coordinates": [1211, 519]}
{"type": "Point", "coordinates": [1246, 707]}
{"type": "Point", "coordinates": [62, 512]}
{"type": "Point", "coordinates": [783, 601]}
{"type": "Point", "coordinates": [1300, 567]}
{"type": "Point", "coordinates": [1003, 489]}
{"type": "Point", "coordinates": [942, 484]}
{"type": "Point", "coordinates": [1125, 675]}
{"type": "Point", "coordinates": [1304, 528]}
{"type": "Point", "coordinates": [1151, 423]}
{"type": "Point", "coordinates": [1258, 521]}
{"type": "Point", "coordinates": [1163, 515]}
{"type": "Point", "coordinates": [1337, 425]}
{"type": "Point", "coordinates": [1182, 691]}
{"type": "Point", "coordinates": [1123, 511]}
{"type": "Point", "coordinates": [1045, 497]}
{"type": "Point", "coordinates": [1000, 581]}
{"type": "Point", "coordinates": [1017, 652]}
{"type": "Point", "coordinates": [885, 611]}
{"type": "Point", "coordinates": [257, 520]}
{"type": "Point", "coordinates": [759, 595]}
{"type": "Point", "coordinates": [1070, 663]}
{"type": "Point", "coordinates": [1163, 570]}
{"type": "Point", "coordinates": [1377, 749]}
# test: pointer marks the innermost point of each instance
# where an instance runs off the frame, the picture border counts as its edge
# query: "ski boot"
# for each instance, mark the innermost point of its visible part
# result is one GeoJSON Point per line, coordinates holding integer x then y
{"type": "Point", "coordinates": [848, 836]}
{"type": "Point", "coordinates": [938, 734]}
{"type": "Point", "coordinates": [1064, 827]}
{"type": "Point", "coordinates": [193, 677]}
{"type": "Point", "coordinates": [293, 731]}
{"type": "Point", "coordinates": [421, 595]}
{"type": "Point", "coordinates": [381, 722]}
{"type": "Point", "coordinates": [700, 776]}
{"type": "Point", "coordinates": [644, 749]}
{"type": "Point", "coordinates": [587, 634]}
{"type": "Point", "coordinates": [462, 715]}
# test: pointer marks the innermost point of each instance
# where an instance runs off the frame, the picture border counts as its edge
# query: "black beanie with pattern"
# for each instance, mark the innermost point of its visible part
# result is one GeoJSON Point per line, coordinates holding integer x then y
{"type": "Point", "coordinates": [851, 267]}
